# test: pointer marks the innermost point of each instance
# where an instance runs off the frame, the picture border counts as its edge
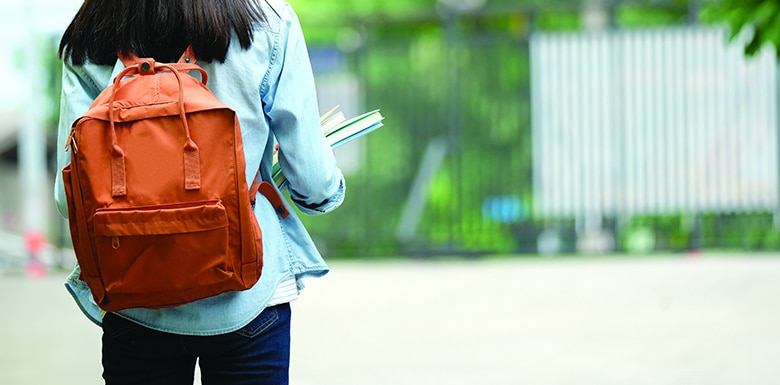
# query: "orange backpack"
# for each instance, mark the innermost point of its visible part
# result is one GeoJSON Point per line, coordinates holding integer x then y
{"type": "Point", "coordinates": [159, 209]}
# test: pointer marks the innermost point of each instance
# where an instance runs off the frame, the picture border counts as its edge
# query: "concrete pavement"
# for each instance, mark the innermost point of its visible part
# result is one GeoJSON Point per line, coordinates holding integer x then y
{"type": "Point", "coordinates": [709, 319]}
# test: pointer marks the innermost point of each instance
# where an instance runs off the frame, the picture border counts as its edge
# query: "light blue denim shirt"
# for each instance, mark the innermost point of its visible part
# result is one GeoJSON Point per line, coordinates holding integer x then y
{"type": "Point", "coordinates": [271, 88]}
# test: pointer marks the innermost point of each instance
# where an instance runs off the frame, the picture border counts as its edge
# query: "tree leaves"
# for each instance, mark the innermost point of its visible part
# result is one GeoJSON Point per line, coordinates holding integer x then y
{"type": "Point", "coordinates": [760, 19]}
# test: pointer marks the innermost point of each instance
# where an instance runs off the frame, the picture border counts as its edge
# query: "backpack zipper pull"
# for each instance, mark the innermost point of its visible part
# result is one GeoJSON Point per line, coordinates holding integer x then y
{"type": "Point", "coordinates": [71, 142]}
{"type": "Point", "coordinates": [115, 242]}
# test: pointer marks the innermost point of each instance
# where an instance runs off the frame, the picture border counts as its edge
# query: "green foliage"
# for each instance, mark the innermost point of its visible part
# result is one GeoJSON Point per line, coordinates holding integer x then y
{"type": "Point", "coordinates": [759, 18]}
{"type": "Point", "coordinates": [337, 12]}
{"type": "Point", "coordinates": [680, 232]}
{"type": "Point", "coordinates": [558, 21]}
{"type": "Point", "coordinates": [642, 15]}
{"type": "Point", "coordinates": [740, 231]}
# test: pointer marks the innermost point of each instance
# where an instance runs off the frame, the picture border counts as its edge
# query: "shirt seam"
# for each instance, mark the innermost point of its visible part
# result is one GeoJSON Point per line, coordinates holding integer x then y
{"type": "Point", "coordinates": [264, 85]}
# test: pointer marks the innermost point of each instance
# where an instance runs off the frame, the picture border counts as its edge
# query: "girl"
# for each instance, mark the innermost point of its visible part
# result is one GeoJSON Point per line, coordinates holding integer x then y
{"type": "Point", "coordinates": [256, 58]}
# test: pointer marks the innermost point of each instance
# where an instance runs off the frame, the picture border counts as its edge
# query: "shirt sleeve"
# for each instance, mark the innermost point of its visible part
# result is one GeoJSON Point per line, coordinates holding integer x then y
{"type": "Point", "coordinates": [79, 89]}
{"type": "Point", "coordinates": [315, 182]}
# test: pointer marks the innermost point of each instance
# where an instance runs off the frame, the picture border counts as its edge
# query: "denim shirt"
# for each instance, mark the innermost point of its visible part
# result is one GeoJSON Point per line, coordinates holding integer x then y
{"type": "Point", "coordinates": [271, 88]}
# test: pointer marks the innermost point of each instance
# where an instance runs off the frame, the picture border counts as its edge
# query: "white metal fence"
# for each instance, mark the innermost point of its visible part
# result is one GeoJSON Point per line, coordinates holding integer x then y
{"type": "Point", "coordinates": [652, 122]}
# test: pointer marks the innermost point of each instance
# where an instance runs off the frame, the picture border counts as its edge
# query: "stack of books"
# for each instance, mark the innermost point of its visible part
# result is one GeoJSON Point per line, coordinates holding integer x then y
{"type": "Point", "coordinates": [338, 130]}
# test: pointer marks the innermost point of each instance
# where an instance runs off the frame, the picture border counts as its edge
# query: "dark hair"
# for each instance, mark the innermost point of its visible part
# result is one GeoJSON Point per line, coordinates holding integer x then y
{"type": "Point", "coordinates": [161, 29]}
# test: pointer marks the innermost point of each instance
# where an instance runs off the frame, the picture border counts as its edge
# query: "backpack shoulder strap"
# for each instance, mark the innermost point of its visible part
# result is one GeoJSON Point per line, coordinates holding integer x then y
{"type": "Point", "coordinates": [188, 57]}
{"type": "Point", "coordinates": [270, 193]}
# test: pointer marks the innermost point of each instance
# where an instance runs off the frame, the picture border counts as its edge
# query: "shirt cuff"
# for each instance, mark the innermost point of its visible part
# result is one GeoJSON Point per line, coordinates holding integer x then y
{"type": "Point", "coordinates": [326, 206]}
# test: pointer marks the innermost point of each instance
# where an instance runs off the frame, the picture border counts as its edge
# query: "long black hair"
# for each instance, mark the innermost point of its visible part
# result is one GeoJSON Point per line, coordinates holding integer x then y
{"type": "Point", "coordinates": [161, 29]}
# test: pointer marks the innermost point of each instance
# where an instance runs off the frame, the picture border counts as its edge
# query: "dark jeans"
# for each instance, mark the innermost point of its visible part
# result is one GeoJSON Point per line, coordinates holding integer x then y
{"type": "Point", "coordinates": [259, 353]}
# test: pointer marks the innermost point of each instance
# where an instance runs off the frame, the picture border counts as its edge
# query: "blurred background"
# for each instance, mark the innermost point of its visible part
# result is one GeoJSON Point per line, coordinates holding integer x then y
{"type": "Point", "coordinates": [512, 127]}
{"type": "Point", "coordinates": [569, 191]}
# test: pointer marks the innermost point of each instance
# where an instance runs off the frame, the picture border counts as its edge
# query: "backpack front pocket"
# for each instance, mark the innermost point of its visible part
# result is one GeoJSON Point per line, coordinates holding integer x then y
{"type": "Point", "coordinates": [159, 249]}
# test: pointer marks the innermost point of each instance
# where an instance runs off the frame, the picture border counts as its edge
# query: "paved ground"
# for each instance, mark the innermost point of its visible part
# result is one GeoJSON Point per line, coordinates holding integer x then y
{"type": "Point", "coordinates": [707, 320]}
